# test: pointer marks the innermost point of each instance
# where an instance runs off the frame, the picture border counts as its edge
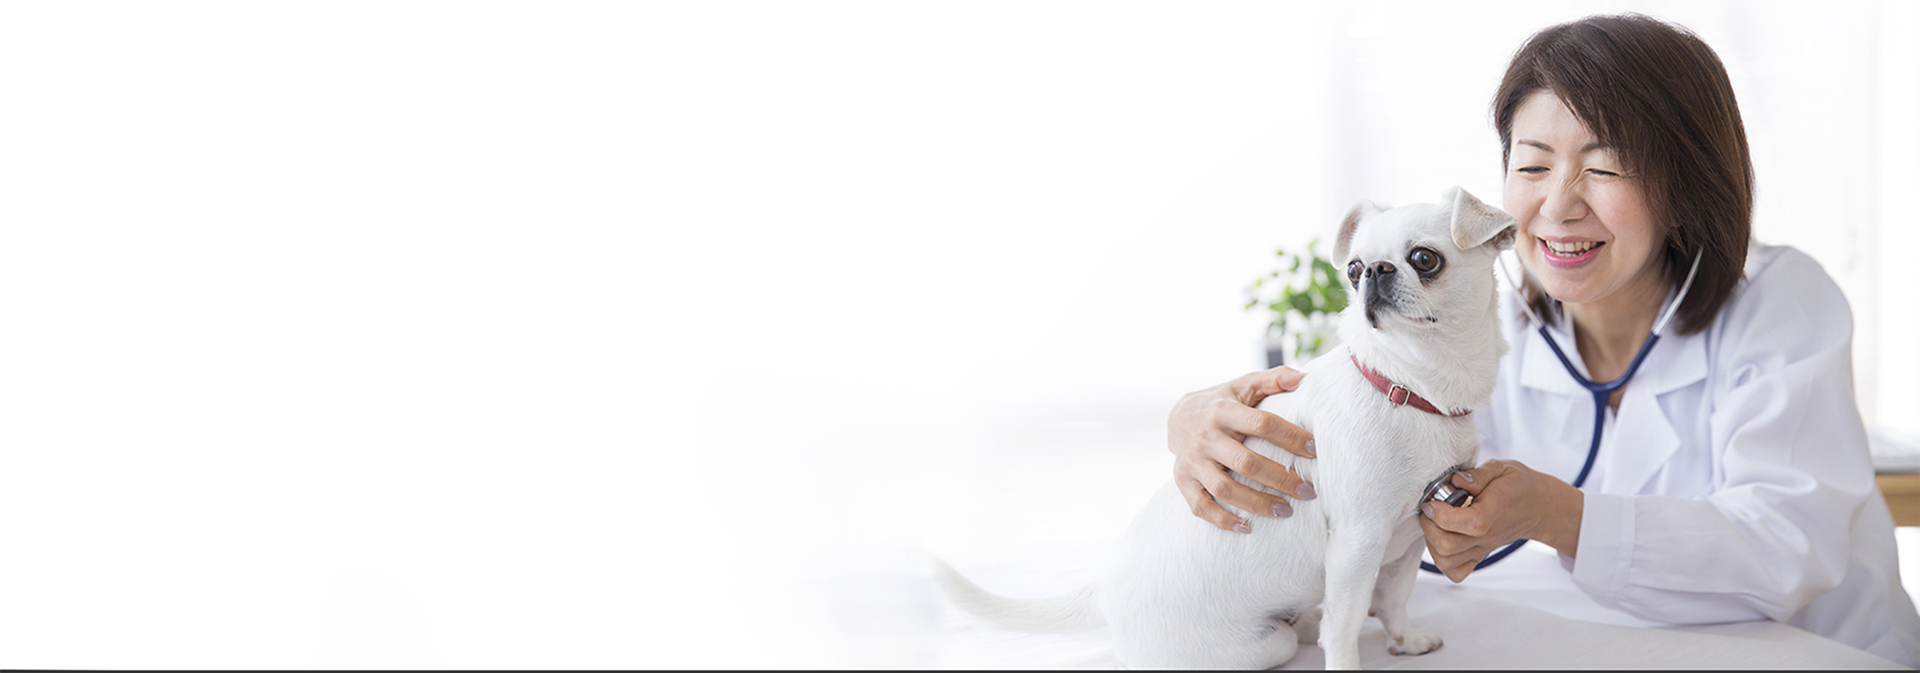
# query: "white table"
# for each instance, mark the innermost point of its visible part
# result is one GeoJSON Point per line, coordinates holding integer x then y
{"type": "Point", "coordinates": [998, 507]}
{"type": "Point", "coordinates": [898, 618]}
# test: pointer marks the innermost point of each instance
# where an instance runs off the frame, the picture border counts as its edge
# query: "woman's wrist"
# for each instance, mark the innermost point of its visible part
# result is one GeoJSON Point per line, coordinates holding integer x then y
{"type": "Point", "coordinates": [1561, 526]}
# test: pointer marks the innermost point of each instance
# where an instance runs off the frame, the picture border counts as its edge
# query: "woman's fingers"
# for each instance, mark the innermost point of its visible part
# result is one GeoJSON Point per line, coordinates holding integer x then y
{"type": "Point", "coordinates": [1472, 481]}
{"type": "Point", "coordinates": [1271, 382]}
{"type": "Point", "coordinates": [1468, 521]}
{"type": "Point", "coordinates": [1442, 542]}
{"type": "Point", "coordinates": [1455, 555]}
{"type": "Point", "coordinates": [1203, 506]}
{"type": "Point", "coordinates": [1262, 470]}
{"type": "Point", "coordinates": [1251, 422]}
{"type": "Point", "coordinates": [1227, 491]}
{"type": "Point", "coordinates": [1458, 573]}
{"type": "Point", "coordinates": [1206, 431]}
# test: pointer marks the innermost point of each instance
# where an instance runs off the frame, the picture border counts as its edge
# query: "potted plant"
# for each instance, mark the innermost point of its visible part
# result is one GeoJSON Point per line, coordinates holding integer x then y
{"type": "Point", "coordinates": [1301, 295]}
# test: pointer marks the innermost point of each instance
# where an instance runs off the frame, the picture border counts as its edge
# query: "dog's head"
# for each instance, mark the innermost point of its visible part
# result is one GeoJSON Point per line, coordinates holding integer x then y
{"type": "Point", "coordinates": [1417, 267]}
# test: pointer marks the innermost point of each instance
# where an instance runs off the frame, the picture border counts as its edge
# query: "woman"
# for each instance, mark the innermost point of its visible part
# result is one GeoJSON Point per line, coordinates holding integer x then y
{"type": "Point", "coordinates": [1733, 481]}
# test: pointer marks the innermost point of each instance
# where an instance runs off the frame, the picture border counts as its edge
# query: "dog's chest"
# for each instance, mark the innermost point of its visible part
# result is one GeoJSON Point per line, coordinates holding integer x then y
{"type": "Point", "coordinates": [1375, 455]}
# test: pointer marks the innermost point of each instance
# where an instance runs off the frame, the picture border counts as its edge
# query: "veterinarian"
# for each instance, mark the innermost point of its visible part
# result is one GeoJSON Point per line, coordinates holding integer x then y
{"type": "Point", "coordinates": [1733, 481]}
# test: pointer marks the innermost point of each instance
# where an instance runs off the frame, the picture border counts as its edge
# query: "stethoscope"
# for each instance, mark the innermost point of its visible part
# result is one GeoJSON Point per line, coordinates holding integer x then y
{"type": "Point", "coordinates": [1442, 490]}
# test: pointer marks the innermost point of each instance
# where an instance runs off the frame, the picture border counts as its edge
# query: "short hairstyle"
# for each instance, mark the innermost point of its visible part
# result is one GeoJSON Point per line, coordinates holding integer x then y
{"type": "Point", "coordinates": [1661, 99]}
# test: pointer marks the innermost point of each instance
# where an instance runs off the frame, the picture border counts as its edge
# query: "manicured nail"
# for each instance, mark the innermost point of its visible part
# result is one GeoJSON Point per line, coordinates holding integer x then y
{"type": "Point", "coordinates": [1282, 510]}
{"type": "Point", "coordinates": [1427, 509]}
{"type": "Point", "coordinates": [1467, 475]}
{"type": "Point", "coordinates": [1305, 492]}
{"type": "Point", "coordinates": [1463, 479]}
{"type": "Point", "coordinates": [1242, 528]}
{"type": "Point", "coordinates": [1310, 452]}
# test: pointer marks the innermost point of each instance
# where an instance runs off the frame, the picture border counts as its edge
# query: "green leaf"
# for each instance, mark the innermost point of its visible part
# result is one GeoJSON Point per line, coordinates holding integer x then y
{"type": "Point", "coordinates": [1302, 303]}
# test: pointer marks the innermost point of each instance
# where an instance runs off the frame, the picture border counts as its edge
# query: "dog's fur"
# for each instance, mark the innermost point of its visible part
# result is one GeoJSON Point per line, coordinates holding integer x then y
{"type": "Point", "coordinates": [1185, 594]}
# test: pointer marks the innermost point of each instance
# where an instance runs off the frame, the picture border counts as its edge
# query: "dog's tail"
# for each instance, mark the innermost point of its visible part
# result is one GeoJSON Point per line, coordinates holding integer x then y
{"type": "Point", "coordinates": [1076, 611]}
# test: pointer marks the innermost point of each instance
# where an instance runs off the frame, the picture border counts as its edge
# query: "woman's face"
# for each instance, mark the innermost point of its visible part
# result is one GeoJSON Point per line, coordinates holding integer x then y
{"type": "Point", "coordinates": [1586, 229]}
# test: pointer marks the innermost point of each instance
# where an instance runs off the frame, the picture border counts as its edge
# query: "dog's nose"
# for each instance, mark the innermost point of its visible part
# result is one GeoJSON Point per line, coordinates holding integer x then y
{"type": "Point", "coordinates": [1382, 268]}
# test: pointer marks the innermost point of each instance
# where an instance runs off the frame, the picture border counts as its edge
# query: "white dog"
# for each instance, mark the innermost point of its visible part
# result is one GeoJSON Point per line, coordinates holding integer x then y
{"type": "Point", "coordinates": [1423, 320]}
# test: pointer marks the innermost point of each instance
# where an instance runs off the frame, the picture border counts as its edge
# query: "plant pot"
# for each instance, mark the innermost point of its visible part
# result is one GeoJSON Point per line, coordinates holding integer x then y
{"type": "Point", "coordinates": [1276, 348]}
{"type": "Point", "coordinates": [1284, 349]}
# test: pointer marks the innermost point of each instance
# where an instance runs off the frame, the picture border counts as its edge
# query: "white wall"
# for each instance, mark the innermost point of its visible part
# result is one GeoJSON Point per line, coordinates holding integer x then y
{"type": "Point", "coordinates": [520, 335]}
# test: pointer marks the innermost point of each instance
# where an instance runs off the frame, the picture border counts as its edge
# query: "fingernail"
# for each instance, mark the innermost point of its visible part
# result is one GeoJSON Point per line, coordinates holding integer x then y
{"type": "Point", "coordinates": [1466, 475]}
{"type": "Point", "coordinates": [1242, 528]}
{"type": "Point", "coordinates": [1282, 510]}
{"type": "Point", "coordinates": [1310, 452]}
{"type": "Point", "coordinates": [1427, 509]}
{"type": "Point", "coordinates": [1305, 492]}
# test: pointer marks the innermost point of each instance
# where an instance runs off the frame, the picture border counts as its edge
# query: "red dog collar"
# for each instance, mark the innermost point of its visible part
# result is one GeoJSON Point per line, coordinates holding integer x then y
{"type": "Point", "coordinates": [1398, 394]}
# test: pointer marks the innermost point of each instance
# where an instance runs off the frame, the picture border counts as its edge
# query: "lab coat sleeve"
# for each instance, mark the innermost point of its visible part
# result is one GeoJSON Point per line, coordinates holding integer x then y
{"type": "Point", "coordinates": [1791, 465]}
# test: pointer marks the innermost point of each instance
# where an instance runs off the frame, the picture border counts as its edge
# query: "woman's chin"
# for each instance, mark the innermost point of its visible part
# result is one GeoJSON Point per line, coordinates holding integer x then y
{"type": "Point", "coordinates": [1566, 287]}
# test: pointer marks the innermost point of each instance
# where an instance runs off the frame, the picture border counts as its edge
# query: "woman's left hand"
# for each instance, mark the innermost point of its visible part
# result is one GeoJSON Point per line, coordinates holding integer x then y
{"type": "Point", "coordinates": [1510, 502]}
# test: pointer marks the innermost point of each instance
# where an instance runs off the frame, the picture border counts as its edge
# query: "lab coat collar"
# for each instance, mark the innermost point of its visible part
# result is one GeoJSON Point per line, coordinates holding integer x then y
{"type": "Point", "coordinates": [1643, 438]}
{"type": "Point", "coordinates": [1676, 362]}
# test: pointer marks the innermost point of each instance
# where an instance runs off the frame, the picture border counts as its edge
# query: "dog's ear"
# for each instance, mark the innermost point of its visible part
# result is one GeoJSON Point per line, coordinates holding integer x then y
{"type": "Point", "coordinates": [1476, 223]}
{"type": "Point", "coordinates": [1344, 240]}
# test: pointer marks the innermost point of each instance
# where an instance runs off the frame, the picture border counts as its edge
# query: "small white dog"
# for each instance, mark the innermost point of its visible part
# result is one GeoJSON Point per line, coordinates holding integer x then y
{"type": "Point", "coordinates": [1388, 413]}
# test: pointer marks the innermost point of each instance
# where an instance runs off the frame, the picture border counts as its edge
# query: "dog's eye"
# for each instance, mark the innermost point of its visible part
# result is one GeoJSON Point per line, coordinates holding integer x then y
{"type": "Point", "coordinates": [1424, 261]}
{"type": "Point", "coordinates": [1353, 272]}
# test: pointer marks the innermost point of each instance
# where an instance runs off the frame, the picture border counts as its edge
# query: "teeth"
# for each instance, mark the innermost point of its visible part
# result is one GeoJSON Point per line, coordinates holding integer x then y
{"type": "Point", "coordinates": [1570, 249]}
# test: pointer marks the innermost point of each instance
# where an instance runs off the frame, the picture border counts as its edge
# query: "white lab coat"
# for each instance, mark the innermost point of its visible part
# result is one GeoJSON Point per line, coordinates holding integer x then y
{"type": "Point", "coordinates": [1734, 482]}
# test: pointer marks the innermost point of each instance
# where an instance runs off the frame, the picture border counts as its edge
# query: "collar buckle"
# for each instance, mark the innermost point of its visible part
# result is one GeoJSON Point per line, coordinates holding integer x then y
{"type": "Point", "coordinates": [1403, 393]}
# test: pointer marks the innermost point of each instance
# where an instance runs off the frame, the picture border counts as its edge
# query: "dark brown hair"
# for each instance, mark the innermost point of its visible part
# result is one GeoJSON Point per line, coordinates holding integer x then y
{"type": "Point", "coordinates": [1657, 95]}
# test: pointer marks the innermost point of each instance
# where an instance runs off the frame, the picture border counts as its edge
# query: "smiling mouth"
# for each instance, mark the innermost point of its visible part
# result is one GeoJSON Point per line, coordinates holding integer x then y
{"type": "Point", "coordinates": [1572, 250]}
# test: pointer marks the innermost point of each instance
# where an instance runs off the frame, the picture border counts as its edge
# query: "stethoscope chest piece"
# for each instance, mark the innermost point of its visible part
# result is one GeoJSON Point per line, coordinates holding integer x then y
{"type": "Point", "coordinates": [1442, 490]}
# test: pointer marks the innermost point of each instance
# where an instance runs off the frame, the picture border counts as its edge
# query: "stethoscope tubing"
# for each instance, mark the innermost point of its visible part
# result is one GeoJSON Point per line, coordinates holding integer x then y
{"type": "Point", "coordinates": [1600, 391]}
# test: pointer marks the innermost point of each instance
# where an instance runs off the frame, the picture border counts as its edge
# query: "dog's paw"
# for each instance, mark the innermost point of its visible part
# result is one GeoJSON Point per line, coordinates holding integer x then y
{"type": "Point", "coordinates": [1415, 641]}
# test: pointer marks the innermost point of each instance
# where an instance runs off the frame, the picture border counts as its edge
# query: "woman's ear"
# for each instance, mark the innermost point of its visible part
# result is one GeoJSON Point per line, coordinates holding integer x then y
{"type": "Point", "coordinates": [1476, 223]}
{"type": "Point", "coordinates": [1343, 241]}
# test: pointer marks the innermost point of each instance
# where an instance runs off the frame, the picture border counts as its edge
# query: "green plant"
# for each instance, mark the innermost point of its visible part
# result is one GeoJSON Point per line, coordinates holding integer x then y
{"type": "Point", "coordinates": [1303, 294]}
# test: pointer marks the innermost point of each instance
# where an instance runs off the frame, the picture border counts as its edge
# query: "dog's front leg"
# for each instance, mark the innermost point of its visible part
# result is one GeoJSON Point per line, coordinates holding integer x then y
{"type": "Point", "coordinates": [1393, 587]}
{"type": "Point", "coordinates": [1354, 554]}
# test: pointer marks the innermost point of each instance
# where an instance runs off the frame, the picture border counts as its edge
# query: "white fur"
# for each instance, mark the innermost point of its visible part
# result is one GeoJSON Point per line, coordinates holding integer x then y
{"type": "Point", "coordinates": [1183, 594]}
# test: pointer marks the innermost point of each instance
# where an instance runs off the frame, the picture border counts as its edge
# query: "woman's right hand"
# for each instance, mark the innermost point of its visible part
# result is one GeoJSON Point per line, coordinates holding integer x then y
{"type": "Point", "coordinates": [1205, 432]}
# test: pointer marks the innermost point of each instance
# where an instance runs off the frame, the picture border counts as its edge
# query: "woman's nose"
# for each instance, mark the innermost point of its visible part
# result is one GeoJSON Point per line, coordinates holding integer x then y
{"type": "Point", "coordinates": [1565, 202]}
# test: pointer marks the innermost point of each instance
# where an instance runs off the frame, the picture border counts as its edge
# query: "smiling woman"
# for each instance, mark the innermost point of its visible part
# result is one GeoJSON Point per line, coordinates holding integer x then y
{"type": "Point", "coordinates": [1667, 179]}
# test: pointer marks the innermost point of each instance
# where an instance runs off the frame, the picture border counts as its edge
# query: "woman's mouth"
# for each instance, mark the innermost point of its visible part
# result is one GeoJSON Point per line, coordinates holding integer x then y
{"type": "Point", "coordinates": [1569, 254]}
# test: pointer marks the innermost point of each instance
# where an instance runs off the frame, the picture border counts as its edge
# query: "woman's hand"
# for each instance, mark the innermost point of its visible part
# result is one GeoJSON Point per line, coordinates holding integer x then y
{"type": "Point", "coordinates": [1205, 432]}
{"type": "Point", "coordinates": [1510, 502]}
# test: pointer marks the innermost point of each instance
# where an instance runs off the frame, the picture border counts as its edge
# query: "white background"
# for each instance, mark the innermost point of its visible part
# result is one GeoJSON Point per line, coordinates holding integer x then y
{"type": "Point", "coordinates": [595, 335]}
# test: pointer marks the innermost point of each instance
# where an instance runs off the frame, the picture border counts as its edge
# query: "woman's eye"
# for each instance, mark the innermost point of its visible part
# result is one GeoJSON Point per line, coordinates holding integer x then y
{"type": "Point", "coordinates": [1424, 260]}
{"type": "Point", "coordinates": [1531, 170]}
{"type": "Point", "coordinates": [1603, 173]}
{"type": "Point", "coordinates": [1353, 272]}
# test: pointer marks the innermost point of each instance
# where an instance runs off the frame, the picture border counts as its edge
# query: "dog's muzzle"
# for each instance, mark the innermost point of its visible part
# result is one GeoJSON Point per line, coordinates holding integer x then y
{"type": "Point", "coordinates": [1379, 295]}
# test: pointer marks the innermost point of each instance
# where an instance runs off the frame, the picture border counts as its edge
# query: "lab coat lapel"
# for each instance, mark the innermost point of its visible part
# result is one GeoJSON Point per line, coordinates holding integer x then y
{"type": "Point", "coordinates": [1540, 368]}
{"type": "Point", "coordinates": [1644, 438]}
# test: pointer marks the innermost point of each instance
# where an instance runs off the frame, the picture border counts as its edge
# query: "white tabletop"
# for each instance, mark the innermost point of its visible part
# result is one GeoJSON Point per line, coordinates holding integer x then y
{"type": "Point", "coordinates": [998, 508]}
{"type": "Point", "coordinates": [890, 618]}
